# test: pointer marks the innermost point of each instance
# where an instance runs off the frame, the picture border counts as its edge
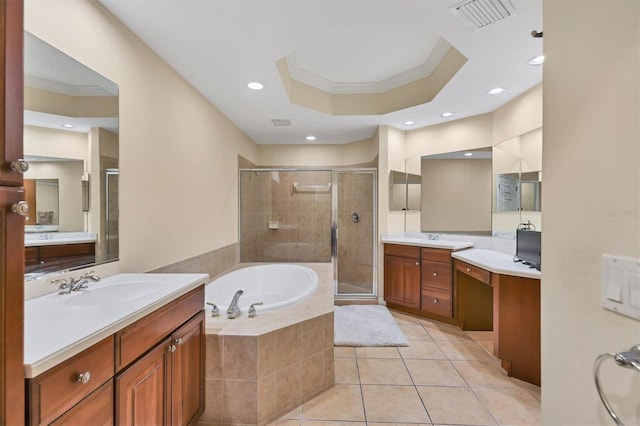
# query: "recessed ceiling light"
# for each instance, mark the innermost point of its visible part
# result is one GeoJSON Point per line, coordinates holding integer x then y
{"type": "Point", "coordinates": [446, 114]}
{"type": "Point", "coordinates": [68, 126]}
{"type": "Point", "coordinates": [468, 154]}
{"type": "Point", "coordinates": [311, 138]}
{"type": "Point", "coordinates": [538, 60]}
{"type": "Point", "coordinates": [254, 85]}
{"type": "Point", "coordinates": [496, 91]}
{"type": "Point", "coordinates": [409, 123]}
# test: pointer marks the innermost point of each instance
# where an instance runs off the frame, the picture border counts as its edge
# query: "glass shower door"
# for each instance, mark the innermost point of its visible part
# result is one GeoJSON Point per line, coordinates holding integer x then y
{"type": "Point", "coordinates": [354, 232]}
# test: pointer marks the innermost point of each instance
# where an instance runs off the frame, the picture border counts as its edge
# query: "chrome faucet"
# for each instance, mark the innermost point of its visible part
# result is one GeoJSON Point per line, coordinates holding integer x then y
{"type": "Point", "coordinates": [81, 283]}
{"type": "Point", "coordinates": [234, 310]}
{"type": "Point", "coordinates": [63, 285]}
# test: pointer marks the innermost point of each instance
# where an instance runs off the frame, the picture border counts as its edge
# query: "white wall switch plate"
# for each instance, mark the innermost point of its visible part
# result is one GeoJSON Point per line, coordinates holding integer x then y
{"type": "Point", "coordinates": [621, 285]}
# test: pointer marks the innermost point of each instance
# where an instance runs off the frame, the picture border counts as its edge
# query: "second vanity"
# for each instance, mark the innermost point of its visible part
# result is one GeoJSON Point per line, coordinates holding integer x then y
{"type": "Point", "coordinates": [472, 288]}
{"type": "Point", "coordinates": [128, 349]}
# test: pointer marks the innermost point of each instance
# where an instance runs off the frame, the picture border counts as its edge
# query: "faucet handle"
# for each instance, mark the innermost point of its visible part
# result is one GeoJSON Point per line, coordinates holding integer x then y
{"type": "Point", "coordinates": [252, 309]}
{"type": "Point", "coordinates": [215, 311]}
{"type": "Point", "coordinates": [64, 286]}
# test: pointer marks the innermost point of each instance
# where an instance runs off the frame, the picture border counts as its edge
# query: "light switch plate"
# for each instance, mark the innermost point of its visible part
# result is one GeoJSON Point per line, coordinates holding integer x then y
{"type": "Point", "coordinates": [621, 285]}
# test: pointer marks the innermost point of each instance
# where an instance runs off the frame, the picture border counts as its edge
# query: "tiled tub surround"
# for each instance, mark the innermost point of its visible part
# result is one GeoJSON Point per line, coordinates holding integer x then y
{"type": "Point", "coordinates": [213, 263]}
{"type": "Point", "coordinates": [259, 369]}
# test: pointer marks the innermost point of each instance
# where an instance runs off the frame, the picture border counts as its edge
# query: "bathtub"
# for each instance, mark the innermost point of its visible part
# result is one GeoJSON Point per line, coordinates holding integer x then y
{"type": "Point", "coordinates": [275, 285]}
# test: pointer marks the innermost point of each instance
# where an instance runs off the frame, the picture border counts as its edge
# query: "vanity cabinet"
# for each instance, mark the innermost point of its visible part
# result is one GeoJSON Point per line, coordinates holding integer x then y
{"type": "Point", "coordinates": [402, 275]}
{"type": "Point", "coordinates": [150, 372]}
{"type": "Point", "coordinates": [59, 256]}
{"type": "Point", "coordinates": [436, 282]}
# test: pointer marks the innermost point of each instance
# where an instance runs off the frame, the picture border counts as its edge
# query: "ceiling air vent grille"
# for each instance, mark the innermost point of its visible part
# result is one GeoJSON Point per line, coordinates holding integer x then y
{"type": "Point", "coordinates": [479, 14]}
{"type": "Point", "coordinates": [281, 122]}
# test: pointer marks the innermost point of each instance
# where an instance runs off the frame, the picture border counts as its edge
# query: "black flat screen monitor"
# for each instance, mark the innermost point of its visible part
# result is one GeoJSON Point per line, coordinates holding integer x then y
{"type": "Point", "coordinates": [528, 247]}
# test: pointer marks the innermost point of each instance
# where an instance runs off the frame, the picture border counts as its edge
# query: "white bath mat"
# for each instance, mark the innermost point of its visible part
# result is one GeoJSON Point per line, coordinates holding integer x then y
{"type": "Point", "coordinates": [366, 325]}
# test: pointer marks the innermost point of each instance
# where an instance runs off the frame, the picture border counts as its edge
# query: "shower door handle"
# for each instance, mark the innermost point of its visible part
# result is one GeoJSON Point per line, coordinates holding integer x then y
{"type": "Point", "coordinates": [334, 240]}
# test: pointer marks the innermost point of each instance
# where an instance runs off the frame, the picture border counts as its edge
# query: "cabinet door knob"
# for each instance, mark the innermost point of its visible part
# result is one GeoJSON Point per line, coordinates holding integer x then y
{"type": "Point", "coordinates": [435, 274]}
{"type": "Point", "coordinates": [21, 207]}
{"type": "Point", "coordinates": [435, 300]}
{"type": "Point", "coordinates": [468, 269]}
{"type": "Point", "coordinates": [19, 166]}
{"type": "Point", "coordinates": [172, 348]}
{"type": "Point", "coordinates": [84, 377]}
{"type": "Point", "coordinates": [417, 263]}
{"type": "Point", "coordinates": [178, 341]}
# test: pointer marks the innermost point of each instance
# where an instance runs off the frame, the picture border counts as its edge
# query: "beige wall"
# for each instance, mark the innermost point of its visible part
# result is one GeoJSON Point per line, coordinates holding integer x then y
{"type": "Point", "coordinates": [178, 153]}
{"type": "Point", "coordinates": [591, 202]}
{"type": "Point", "coordinates": [310, 155]}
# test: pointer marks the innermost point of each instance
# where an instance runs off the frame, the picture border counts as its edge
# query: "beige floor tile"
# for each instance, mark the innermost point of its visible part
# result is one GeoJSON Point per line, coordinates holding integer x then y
{"type": "Point", "coordinates": [464, 350]}
{"type": "Point", "coordinates": [285, 422]}
{"type": "Point", "coordinates": [346, 371]}
{"type": "Point", "coordinates": [431, 372]}
{"type": "Point", "coordinates": [296, 413]}
{"type": "Point", "coordinates": [421, 349]}
{"type": "Point", "coordinates": [536, 392]}
{"type": "Point", "coordinates": [511, 406]}
{"type": "Point", "coordinates": [487, 345]}
{"type": "Point", "coordinates": [340, 403]}
{"type": "Point", "coordinates": [397, 424]}
{"type": "Point", "coordinates": [396, 404]}
{"type": "Point", "coordinates": [344, 352]}
{"type": "Point", "coordinates": [378, 352]}
{"type": "Point", "coordinates": [480, 335]}
{"type": "Point", "coordinates": [325, 423]}
{"type": "Point", "coordinates": [450, 405]}
{"type": "Point", "coordinates": [414, 332]}
{"type": "Point", "coordinates": [487, 374]}
{"type": "Point", "coordinates": [439, 331]}
{"type": "Point", "coordinates": [402, 318]}
{"type": "Point", "coordinates": [375, 371]}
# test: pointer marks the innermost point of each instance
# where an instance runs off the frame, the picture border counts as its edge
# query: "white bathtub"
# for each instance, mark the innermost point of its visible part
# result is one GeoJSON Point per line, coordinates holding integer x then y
{"type": "Point", "coordinates": [275, 285]}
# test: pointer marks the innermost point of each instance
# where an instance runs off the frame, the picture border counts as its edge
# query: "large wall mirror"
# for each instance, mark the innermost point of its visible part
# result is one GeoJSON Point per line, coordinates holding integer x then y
{"type": "Point", "coordinates": [71, 145]}
{"type": "Point", "coordinates": [487, 191]}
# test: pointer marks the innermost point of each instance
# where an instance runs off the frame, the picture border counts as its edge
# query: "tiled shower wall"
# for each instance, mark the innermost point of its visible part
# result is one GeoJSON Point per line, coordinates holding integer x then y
{"type": "Point", "coordinates": [303, 216]}
{"type": "Point", "coordinates": [355, 240]}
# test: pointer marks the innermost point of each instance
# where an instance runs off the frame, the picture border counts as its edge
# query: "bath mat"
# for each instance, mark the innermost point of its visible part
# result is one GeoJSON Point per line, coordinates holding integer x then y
{"type": "Point", "coordinates": [366, 325]}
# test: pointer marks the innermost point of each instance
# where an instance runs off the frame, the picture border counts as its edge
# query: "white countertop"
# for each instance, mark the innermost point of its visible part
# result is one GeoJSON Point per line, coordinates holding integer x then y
{"type": "Point", "coordinates": [494, 261]}
{"type": "Point", "coordinates": [56, 327]}
{"type": "Point", "coordinates": [55, 238]}
{"type": "Point", "coordinates": [425, 242]}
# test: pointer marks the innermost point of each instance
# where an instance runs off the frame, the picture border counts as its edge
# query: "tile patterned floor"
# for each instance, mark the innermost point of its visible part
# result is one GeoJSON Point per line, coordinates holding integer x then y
{"type": "Point", "coordinates": [445, 377]}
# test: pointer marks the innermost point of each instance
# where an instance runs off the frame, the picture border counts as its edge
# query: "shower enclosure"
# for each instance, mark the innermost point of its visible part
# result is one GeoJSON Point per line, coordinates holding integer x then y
{"type": "Point", "coordinates": [319, 215]}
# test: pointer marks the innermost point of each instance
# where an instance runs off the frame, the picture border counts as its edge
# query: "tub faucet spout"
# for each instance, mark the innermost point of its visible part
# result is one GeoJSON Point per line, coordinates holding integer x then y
{"type": "Point", "coordinates": [234, 309]}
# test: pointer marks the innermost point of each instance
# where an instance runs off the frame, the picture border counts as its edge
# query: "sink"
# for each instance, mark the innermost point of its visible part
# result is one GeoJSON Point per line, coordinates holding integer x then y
{"type": "Point", "coordinates": [112, 293]}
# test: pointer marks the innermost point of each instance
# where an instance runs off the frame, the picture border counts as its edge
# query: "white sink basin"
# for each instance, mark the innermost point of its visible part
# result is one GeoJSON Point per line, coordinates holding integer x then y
{"type": "Point", "coordinates": [112, 293]}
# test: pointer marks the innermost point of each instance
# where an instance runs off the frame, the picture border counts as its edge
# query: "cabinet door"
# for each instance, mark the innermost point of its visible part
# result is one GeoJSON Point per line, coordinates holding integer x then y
{"type": "Point", "coordinates": [141, 390]}
{"type": "Point", "coordinates": [187, 381]}
{"type": "Point", "coordinates": [96, 409]}
{"type": "Point", "coordinates": [402, 281]}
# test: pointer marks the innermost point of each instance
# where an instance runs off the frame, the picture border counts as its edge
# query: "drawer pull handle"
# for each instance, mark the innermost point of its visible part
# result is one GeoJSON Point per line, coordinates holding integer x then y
{"type": "Point", "coordinates": [468, 269]}
{"type": "Point", "coordinates": [84, 377]}
{"type": "Point", "coordinates": [435, 274]}
{"type": "Point", "coordinates": [435, 300]}
{"type": "Point", "coordinates": [178, 341]}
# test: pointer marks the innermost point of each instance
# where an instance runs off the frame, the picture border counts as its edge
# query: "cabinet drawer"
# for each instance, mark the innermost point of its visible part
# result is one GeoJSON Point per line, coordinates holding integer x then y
{"type": "Point", "coordinates": [55, 391]}
{"type": "Point", "coordinates": [63, 250]}
{"type": "Point", "coordinates": [437, 255]}
{"type": "Point", "coordinates": [402, 251]}
{"type": "Point", "coordinates": [95, 410]}
{"type": "Point", "coordinates": [436, 301]}
{"type": "Point", "coordinates": [436, 274]}
{"type": "Point", "coordinates": [136, 339]}
{"type": "Point", "coordinates": [477, 273]}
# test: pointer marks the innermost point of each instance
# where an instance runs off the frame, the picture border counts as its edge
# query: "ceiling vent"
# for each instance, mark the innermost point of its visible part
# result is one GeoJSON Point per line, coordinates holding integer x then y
{"type": "Point", "coordinates": [479, 14]}
{"type": "Point", "coordinates": [281, 122]}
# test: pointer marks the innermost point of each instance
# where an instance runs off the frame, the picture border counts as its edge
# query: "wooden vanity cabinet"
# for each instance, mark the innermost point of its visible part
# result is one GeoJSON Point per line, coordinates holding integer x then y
{"type": "Point", "coordinates": [436, 282]}
{"type": "Point", "coordinates": [402, 275]}
{"type": "Point", "coordinates": [150, 372]}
